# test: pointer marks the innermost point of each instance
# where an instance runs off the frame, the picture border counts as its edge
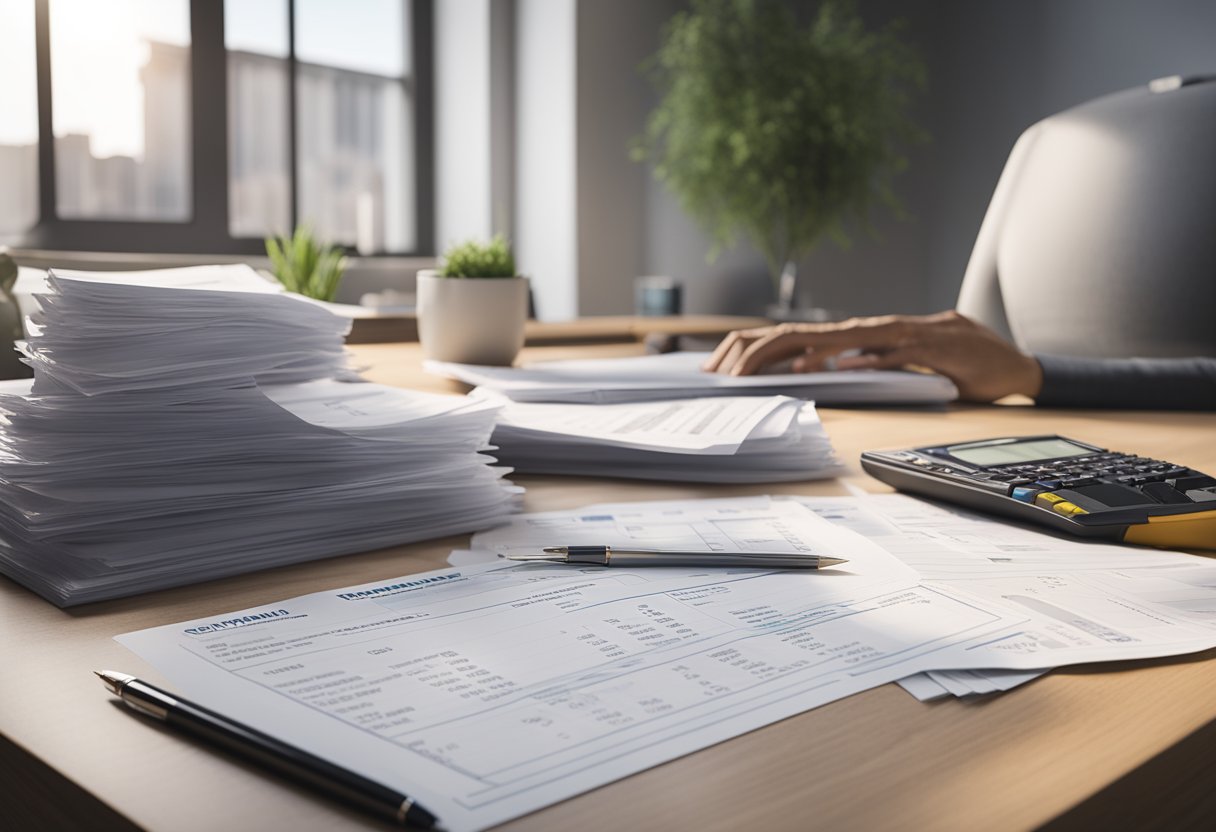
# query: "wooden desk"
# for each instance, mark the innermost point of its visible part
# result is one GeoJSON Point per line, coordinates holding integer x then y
{"type": "Point", "coordinates": [1120, 743]}
{"type": "Point", "coordinates": [600, 329]}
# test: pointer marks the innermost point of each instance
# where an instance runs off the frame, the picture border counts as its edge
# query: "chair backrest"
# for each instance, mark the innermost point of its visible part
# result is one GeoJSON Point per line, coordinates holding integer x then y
{"type": "Point", "coordinates": [1100, 239]}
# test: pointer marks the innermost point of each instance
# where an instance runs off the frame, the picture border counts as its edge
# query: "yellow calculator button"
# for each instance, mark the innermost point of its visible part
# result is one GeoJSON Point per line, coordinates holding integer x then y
{"type": "Point", "coordinates": [1048, 500]}
{"type": "Point", "coordinates": [1058, 504]}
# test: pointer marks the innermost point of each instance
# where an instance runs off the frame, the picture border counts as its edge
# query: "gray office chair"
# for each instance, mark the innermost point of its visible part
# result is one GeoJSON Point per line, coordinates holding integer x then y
{"type": "Point", "coordinates": [1100, 239]}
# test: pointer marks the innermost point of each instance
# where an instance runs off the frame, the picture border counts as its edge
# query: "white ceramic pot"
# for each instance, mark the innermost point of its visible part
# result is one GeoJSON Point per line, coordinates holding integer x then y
{"type": "Point", "coordinates": [471, 320]}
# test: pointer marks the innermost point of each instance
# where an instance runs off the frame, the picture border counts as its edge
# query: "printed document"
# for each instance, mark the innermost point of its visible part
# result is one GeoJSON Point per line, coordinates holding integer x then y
{"type": "Point", "coordinates": [490, 691]}
{"type": "Point", "coordinates": [1077, 596]}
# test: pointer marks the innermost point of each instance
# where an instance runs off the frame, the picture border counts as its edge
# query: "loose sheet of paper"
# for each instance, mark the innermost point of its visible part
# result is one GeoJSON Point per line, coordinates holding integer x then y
{"type": "Point", "coordinates": [707, 426]}
{"type": "Point", "coordinates": [488, 691]}
{"type": "Point", "coordinates": [1077, 597]}
{"type": "Point", "coordinates": [491, 691]}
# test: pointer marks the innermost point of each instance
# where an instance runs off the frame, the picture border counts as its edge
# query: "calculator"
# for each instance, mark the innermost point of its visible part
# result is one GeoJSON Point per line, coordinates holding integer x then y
{"type": "Point", "coordinates": [1069, 486]}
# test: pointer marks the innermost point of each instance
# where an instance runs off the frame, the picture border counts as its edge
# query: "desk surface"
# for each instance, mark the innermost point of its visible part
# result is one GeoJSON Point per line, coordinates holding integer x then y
{"type": "Point", "coordinates": [878, 760]}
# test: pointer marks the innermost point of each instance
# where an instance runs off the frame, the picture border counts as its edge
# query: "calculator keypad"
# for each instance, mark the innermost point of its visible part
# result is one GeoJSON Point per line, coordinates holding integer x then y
{"type": "Point", "coordinates": [1110, 479]}
{"type": "Point", "coordinates": [1077, 471]}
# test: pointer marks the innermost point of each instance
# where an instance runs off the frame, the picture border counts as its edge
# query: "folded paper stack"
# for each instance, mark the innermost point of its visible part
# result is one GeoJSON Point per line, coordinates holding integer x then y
{"type": "Point", "coordinates": [190, 424]}
{"type": "Point", "coordinates": [722, 439]}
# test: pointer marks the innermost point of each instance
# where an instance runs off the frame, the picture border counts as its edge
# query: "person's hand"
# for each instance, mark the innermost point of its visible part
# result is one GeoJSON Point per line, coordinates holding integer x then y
{"type": "Point", "coordinates": [981, 364]}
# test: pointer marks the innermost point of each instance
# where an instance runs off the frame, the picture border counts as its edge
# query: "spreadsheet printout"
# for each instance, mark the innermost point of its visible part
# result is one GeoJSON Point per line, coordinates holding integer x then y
{"type": "Point", "coordinates": [490, 691]}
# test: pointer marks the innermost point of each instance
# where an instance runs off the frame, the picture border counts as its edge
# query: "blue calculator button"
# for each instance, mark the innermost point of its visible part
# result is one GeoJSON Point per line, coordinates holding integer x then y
{"type": "Point", "coordinates": [1026, 495]}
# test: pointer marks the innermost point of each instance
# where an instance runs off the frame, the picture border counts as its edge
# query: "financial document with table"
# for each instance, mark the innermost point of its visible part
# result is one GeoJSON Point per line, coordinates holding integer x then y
{"type": "Point", "coordinates": [488, 690]}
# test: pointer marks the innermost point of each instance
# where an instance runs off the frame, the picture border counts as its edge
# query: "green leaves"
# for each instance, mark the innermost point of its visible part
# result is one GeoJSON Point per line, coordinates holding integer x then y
{"type": "Point", "coordinates": [474, 259]}
{"type": "Point", "coordinates": [305, 266]}
{"type": "Point", "coordinates": [782, 131]}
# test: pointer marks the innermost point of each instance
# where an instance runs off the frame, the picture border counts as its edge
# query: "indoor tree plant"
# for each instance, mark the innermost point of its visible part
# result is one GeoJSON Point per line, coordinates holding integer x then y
{"type": "Point", "coordinates": [473, 308]}
{"type": "Point", "coordinates": [782, 131]}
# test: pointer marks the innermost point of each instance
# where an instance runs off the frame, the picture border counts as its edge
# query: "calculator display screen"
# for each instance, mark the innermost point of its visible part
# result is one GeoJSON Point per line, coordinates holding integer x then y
{"type": "Point", "coordinates": [1014, 452]}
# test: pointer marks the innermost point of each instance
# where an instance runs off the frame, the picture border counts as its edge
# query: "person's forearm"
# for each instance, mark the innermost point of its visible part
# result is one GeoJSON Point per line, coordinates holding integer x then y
{"type": "Point", "coordinates": [1137, 383]}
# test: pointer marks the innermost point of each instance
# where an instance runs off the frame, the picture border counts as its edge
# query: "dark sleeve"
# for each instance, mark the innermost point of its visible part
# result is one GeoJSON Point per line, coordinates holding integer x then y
{"type": "Point", "coordinates": [1134, 383]}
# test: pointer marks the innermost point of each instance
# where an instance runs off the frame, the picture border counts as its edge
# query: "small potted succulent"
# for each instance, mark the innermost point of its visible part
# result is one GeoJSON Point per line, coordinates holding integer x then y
{"type": "Point", "coordinates": [305, 265]}
{"type": "Point", "coordinates": [473, 308]}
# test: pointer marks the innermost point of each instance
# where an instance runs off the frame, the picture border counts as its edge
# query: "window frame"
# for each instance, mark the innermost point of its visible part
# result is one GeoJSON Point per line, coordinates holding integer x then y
{"type": "Point", "coordinates": [207, 230]}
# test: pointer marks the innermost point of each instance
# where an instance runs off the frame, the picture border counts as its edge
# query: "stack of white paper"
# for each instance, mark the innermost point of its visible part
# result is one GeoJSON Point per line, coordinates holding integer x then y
{"type": "Point", "coordinates": [726, 439]}
{"type": "Point", "coordinates": [186, 425]}
{"type": "Point", "coordinates": [679, 375]}
{"type": "Point", "coordinates": [115, 332]}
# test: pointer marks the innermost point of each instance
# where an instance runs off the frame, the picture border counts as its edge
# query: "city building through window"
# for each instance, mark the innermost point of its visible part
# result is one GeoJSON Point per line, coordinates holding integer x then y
{"type": "Point", "coordinates": [321, 124]}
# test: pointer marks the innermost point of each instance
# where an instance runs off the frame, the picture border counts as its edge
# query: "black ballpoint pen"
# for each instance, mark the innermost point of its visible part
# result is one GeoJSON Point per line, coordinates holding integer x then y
{"type": "Point", "coordinates": [616, 556]}
{"type": "Point", "coordinates": [341, 784]}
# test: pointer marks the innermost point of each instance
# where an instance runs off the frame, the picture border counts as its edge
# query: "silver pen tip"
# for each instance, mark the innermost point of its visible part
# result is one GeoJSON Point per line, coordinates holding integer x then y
{"type": "Point", "coordinates": [113, 680]}
{"type": "Point", "coordinates": [826, 562]}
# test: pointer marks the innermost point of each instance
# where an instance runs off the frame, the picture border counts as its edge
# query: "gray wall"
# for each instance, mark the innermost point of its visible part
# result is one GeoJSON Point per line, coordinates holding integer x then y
{"type": "Point", "coordinates": [995, 67]}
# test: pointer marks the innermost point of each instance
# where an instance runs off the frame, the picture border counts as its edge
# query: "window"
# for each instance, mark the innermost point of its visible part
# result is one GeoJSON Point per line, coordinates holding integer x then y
{"type": "Point", "coordinates": [18, 120]}
{"type": "Point", "coordinates": [120, 95]}
{"type": "Point", "coordinates": [198, 126]}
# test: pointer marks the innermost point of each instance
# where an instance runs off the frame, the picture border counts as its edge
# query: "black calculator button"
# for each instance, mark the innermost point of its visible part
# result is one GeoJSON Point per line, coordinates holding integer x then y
{"type": "Point", "coordinates": [1073, 482]}
{"type": "Point", "coordinates": [1185, 484]}
{"type": "Point", "coordinates": [1048, 484]}
{"type": "Point", "coordinates": [1113, 495]}
{"type": "Point", "coordinates": [1165, 493]}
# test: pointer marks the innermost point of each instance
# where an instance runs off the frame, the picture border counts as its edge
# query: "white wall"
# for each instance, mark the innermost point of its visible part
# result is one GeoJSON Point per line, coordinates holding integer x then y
{"type": "Point", "coordinates": [462, 121]}
{"type": "Point", "coordinates": [546, 209]}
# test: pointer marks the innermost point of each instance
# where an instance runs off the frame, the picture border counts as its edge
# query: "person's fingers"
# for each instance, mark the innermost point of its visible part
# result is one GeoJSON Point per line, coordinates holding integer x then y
{"type": "Point", "coordinates": [817, 360]}
{"type": "Point", "coordinates": [887, 334]}
{"type": "Point", "coordinates": [731, 344]}
{"type": "Point", "coordinates": [890, 360]}
{"type": "Point", "coordinates": [732, 356]}
{"type": "Point", "coordinates": [715, 359]}
{"type": "Point", "coordinates": [864, 361]}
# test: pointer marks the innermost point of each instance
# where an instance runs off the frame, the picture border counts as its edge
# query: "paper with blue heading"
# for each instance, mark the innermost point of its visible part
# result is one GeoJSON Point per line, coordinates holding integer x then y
{"type": "Point", "coordinates": [491, 691]}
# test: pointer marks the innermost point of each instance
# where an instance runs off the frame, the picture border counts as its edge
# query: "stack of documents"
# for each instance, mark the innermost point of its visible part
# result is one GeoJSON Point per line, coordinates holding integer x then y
{"type": "Point", "coordinates": [679, 375]}
{"type": "Point", "coordinates": [191, 424]}
{"type": "Point", "coordinates": [726, 439]}
{"type": "Point", "coordinates": [113, 332]}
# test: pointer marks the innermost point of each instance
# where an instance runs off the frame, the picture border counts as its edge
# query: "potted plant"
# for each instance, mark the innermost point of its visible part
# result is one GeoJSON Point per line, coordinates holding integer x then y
{"type": "Point", "coordinates": [472, 310]}
{"type": "Point", "coordinates": [306, 266]}
{"type": "Point", "coordinates": [780, 130]}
